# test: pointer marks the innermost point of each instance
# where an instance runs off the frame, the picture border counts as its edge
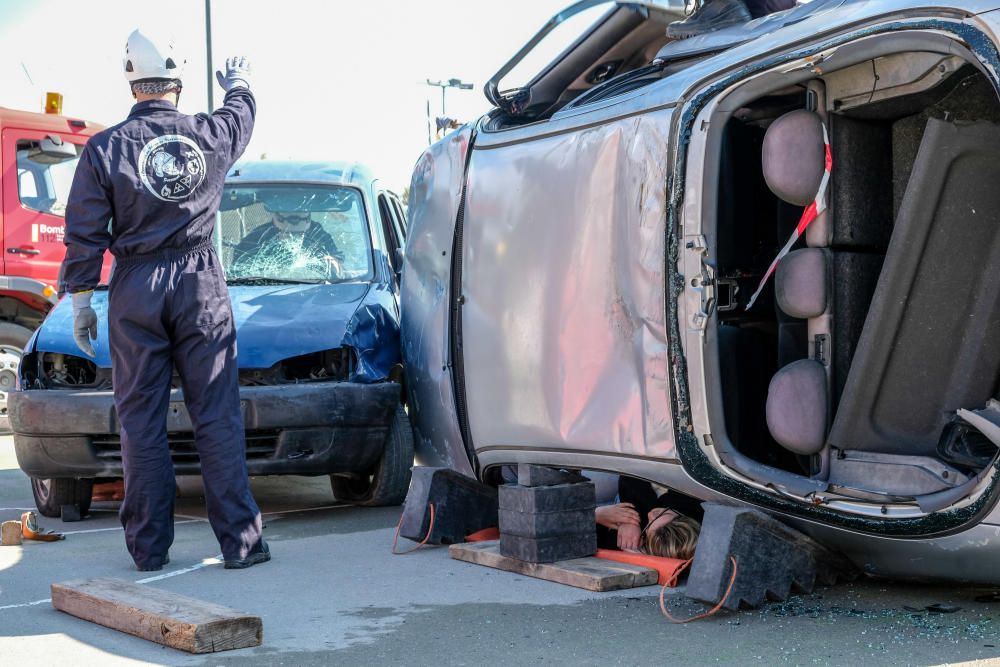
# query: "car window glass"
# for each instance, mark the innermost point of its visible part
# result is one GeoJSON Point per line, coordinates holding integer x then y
{"type": "Point", "coordinates": [400, 217]}
{"type": "Point", "coordinates": [44, 182]}
{"type": "Point", "coordinates": [292, 232]}
{"type": "Point", "coordinates": [26, 184]}
{"type": "Point", "coordinates": [389, 224]}
{"type": "Point", "coordinates": [396, 219]}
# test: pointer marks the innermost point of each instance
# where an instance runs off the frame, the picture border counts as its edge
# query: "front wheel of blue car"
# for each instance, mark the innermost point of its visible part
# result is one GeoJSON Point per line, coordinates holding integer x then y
{"type": "Point", "coordinates": [388, 481]}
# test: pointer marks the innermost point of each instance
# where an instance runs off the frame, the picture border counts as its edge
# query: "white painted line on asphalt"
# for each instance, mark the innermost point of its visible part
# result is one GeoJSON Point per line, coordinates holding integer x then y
{"type": "Point", "coordinates": [104, 530]}
{"type": "Point", "coordinates": [190, 516]}
{"type": "Point", "coordinates": [34, 509]}
{"type": "Point", "coordinates": [205, 563]}
{"type": "Point", "coordinates": [306, 509]}
{"type": "Point", "coordinates": [166, 575]}
{"type": "Point", "coordinates": [26, 604]}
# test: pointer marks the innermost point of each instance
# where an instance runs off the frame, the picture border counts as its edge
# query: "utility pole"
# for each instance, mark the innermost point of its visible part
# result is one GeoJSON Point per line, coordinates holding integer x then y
{"type": "Point", "coordinates": [444, 86]}
{"type": "Point", "coordinates": [208, 53]}
{"type": "Point", "coordinates": [430, 135]}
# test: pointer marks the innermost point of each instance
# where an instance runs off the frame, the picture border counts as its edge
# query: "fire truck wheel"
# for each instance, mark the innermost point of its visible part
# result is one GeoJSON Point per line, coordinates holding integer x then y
{"type": "Point", "coordinates": [13, 338]}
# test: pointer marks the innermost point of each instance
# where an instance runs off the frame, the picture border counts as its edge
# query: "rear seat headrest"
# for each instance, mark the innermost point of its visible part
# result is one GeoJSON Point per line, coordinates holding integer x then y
{"type": "Point", "coordinates": [801, 283]}
{"type": "Point", "coordinates": [794, 156]}
{"type": "Point", "coordinates": [796, 406]}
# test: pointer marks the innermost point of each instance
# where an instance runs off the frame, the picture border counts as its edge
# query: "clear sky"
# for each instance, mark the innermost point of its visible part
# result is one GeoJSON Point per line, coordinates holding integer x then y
{"type": "Point", "coordinates": [334, 79]}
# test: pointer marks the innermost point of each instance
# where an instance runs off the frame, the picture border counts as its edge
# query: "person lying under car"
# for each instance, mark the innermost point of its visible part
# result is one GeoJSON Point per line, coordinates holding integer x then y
{"type": "Point", "coordinates": [650, 520]}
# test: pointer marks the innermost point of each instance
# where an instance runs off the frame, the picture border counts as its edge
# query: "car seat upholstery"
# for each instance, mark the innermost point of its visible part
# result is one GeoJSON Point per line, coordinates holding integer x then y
{"type": "Point", "coordinates": [798, 402]}
{"type": "Point", "coordinates": [931, 343]}
{"type": "Point", "coordinates": [801, 283]}
{"type": "Point", "coordinates": [793, 156]}
{"type": "Point", "coordinates": [797, 407]}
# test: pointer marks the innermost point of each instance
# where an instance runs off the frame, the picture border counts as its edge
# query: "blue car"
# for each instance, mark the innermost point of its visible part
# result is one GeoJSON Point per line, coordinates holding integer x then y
{"type": "Point", "coordinates": [311, 253]}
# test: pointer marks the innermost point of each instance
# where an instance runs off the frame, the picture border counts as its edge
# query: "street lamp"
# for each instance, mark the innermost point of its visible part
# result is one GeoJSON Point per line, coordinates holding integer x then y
{"type": "Point", "coordinates": [444, 86]}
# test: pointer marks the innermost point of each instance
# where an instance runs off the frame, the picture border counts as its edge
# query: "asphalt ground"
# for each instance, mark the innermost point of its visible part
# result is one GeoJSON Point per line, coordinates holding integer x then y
{"type": "Point", "coordinates": [333, 594]}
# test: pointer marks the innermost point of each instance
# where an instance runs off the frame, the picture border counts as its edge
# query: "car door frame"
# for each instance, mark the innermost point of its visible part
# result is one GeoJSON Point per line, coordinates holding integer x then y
{"type": "Point", "coordinates": [393, 230]}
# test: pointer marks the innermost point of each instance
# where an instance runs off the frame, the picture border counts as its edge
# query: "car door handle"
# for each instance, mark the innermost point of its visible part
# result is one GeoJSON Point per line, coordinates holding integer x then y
{"type": "Point", "coordinates": [23, 251]}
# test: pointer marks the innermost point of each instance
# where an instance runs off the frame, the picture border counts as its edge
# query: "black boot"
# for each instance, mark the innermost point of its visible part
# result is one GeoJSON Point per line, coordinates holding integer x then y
{"type": "Point", "coordinates": [152, 566]}
{"type": "Point", "coordinates": [259, 554]}
{"type": "Point", "coordinates": [712, 15]}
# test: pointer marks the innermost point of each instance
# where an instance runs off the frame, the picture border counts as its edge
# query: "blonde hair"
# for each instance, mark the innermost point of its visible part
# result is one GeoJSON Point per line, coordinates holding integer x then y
{"type": "Point", "coordinates": [676, 539]}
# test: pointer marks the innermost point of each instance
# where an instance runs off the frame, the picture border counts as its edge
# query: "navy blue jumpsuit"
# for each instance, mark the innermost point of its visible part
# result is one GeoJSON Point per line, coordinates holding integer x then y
{"type": "Point", "coordinates": [157, 179]}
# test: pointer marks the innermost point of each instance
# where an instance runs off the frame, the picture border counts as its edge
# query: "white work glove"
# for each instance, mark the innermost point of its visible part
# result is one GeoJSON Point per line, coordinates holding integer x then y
{"type": "Point", "coordinates": [237, 74]}
{"type": "Point", "coordinates": [84, 322]}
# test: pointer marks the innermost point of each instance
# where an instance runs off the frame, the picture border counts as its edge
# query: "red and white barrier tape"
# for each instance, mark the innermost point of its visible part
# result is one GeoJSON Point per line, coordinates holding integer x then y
{"type": "Point", "coordinates": [812, 212]}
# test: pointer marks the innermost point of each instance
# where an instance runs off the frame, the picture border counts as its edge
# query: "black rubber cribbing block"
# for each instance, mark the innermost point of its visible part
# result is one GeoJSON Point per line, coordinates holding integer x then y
{"type": "Point", "coordinates": [71, 513]}
{"type": "Point", "coordinates": [547, 524]}
{"type": "Point", "coordinates": [532, 475]}
{"type": "Point", "coordinates": [772, 559]}
{"type": "Point", "coordinates": [549, 549]}
{"type": "Point", "coordinates": [462, 506]}
{"type": "Point", "coordinates": [537, 499]}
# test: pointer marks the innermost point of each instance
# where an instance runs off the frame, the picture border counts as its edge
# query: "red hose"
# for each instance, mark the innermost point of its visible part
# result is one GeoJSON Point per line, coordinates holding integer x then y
{"type": "Point", "coordinates": [430, 529]}
{"type": "Point", "coordinates": [710, 612]}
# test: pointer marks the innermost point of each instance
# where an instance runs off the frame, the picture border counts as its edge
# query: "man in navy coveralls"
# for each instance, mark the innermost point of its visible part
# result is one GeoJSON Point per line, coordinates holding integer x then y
{"type": "Point", "coordinates": [148, 189]}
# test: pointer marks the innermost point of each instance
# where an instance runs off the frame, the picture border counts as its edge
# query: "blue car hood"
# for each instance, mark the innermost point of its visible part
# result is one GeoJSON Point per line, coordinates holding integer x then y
{"type": "Point", "coordinates": [273, 323]}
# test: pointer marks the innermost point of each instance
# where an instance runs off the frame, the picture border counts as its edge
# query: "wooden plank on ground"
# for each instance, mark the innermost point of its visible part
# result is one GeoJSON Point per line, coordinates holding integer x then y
{"type": "Point", "coordinates": [593, 574]}
{"type": "Point", "coordinates": [160, 616]}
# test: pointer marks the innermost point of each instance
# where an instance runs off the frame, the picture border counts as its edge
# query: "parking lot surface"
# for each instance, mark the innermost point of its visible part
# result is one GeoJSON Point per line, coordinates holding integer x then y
{"type": "Point", "coordinates": [334, 594]}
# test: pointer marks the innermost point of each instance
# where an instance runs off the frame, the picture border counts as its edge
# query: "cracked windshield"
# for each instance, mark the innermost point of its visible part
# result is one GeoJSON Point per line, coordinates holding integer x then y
{"type": "Point", "coordinates": [298, 233]}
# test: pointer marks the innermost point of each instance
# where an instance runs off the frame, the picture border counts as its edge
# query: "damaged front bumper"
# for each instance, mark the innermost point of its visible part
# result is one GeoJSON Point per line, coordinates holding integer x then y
{"type": "Point", "coordinates": [296, 429]}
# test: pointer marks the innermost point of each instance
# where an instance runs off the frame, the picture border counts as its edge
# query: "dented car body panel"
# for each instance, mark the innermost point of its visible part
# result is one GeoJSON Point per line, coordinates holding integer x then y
{"type": "Point", "coordinates": [578, 358]}
{"type": "Point", "coordinates": [435, 199]}
{"type": "Point", "coordinates": [580, 329]}
{"type": "Point", "coordinates": [272, 323]}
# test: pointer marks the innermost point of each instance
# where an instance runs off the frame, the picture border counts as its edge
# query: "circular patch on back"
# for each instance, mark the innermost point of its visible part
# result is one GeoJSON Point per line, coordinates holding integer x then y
{"type": "Point", "coordinates": [171, 167]}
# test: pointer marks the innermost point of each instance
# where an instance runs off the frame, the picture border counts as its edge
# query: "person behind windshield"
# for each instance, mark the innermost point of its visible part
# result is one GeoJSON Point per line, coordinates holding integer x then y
{"type": "Point", "coordinates": [665, 524]}
{"type": "Point", "coordinates": [291, 238]}
{"type": "Point", "coordinates": [714, 15]}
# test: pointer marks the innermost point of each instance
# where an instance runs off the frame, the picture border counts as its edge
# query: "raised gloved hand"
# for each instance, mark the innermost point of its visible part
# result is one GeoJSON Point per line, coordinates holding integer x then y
{"type": "Point", "coordinates": [237, 73]}
{"type": "Point", "coordinates": [84, 322]}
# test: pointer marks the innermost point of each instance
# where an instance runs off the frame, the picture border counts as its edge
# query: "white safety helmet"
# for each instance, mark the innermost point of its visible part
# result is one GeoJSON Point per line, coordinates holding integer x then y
{"type": "Point", "coordinates": [152, 58]}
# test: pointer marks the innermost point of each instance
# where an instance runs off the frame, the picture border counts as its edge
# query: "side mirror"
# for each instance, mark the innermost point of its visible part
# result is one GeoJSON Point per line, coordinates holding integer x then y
{"type": "Point", "coordinates": [399, 260]}
{"type": "Point", "coordinates": [53, 150]}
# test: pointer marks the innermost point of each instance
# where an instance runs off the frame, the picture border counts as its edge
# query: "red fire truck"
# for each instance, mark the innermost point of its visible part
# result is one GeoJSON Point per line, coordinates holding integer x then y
{"type": "Point", "coordinates": [38, 156]}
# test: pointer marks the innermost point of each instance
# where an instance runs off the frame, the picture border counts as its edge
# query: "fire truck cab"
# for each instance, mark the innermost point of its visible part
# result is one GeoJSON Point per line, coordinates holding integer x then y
{"type": "Point", "coordinates": [38, 157]}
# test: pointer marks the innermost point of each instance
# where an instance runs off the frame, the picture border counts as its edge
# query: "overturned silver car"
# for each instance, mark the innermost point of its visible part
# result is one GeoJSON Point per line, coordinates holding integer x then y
{"type": "Point", "coordinates": [761, 265]}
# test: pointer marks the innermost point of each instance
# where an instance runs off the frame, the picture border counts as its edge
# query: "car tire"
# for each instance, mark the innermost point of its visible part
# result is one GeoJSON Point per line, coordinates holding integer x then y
{"type": "Point", "coordinates": [52, 494]}
{"type": "Point", "coordinates": [387, 483]}
{"type": "Point", "coordinates": [13, 339]}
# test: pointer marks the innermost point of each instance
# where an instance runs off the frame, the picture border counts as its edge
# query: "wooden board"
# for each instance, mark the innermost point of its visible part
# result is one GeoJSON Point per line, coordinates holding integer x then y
{"type": "Point", "coordinates": [590, 573]}
{"type": "Point", "coordinates": [10, 533]}
{"type": "Point", "coordinates": [160, 616]}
